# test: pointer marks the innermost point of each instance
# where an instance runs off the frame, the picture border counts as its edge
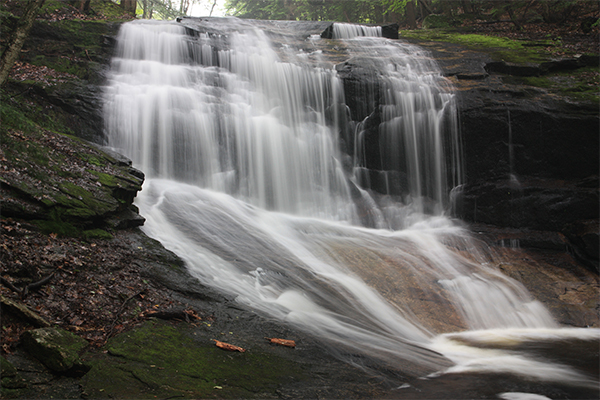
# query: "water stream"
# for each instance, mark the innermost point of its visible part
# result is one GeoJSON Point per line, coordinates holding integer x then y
{"type": "Point", "coordinates": [239, 135]}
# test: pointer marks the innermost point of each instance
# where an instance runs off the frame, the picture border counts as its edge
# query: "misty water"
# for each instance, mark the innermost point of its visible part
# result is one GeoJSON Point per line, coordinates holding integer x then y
{"type": "Point", "coordinates": [256, 177]}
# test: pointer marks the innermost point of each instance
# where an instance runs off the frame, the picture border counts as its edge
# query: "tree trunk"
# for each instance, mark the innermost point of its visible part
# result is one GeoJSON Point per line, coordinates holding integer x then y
{"type": "Point", "coordinates": [411, 18]}
{"type": "Point", "coordinates": [212, 8]}
{"type": "Point", "coordinates": [17, 38]}
{"type": "Point", "coordinates": [129, 6]}
{"type": "Point", "coordinates": [424, 4]}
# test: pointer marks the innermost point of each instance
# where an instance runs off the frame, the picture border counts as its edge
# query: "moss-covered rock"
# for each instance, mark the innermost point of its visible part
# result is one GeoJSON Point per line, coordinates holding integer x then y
{"type": "Point", "coordinates": [10, 380]}
{"type": "Point", "coordinates": [48, 180]}
{"type": "Point", "coordinates": [56, 348]}
{"type": "Point", "coordinates": [160, 360]}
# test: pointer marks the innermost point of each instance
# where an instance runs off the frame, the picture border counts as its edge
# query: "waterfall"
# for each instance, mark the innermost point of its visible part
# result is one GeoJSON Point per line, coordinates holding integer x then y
{"type": "Point", "coordinates": [349, 31]}
{"type": "Point", "coordinates": [240, 137]}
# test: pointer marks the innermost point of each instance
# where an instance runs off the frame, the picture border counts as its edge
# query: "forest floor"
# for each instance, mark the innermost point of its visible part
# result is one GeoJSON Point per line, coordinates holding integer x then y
{"type": "Point", "coordinates": [95, 288]}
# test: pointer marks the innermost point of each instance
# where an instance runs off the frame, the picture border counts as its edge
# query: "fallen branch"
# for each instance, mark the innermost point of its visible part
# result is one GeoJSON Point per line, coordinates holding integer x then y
{"type": "Point", "coordinates": [282, 342]}
{"type": "Point", "coordinates": [118, 314]}
{"type": "Point", "coordinates": [9, 285]}
{"type": "Point", "coordinates": [227, 346]}
{"type": "Point", "coordinates": [38, 284]}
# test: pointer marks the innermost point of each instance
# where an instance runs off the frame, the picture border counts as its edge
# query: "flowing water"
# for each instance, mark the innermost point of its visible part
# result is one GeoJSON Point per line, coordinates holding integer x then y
{"type": "Point", "coordinates": [239, 135]}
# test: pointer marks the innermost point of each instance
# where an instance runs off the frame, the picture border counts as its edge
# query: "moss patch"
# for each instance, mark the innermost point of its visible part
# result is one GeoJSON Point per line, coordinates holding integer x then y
{"type": "Point", "coordinates": [97, 234]}
{"type": "Point", "coordinates": [11, 384]}
{"type": "Point", "coordinates": [158, 360]}
{"type": "Point", "coordinates": [579, 85]}
{"type": "Point", "coordinates": [499, 48]}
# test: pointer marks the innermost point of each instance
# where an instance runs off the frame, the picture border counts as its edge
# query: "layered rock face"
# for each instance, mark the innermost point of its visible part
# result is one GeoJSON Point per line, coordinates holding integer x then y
{"type": "Point", "coordinates": [530, 156]}
{"type": "Point", "coordinates": [531, 160]}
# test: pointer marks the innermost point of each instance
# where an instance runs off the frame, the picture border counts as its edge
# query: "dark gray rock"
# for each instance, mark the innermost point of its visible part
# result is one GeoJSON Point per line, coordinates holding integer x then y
{"type": "Point", "coordinates": [57, 349]}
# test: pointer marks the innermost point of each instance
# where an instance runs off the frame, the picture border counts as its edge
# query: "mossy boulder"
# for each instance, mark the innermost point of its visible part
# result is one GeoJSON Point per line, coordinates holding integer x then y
{"type": "Point", "coordinates": [64, 184]}
{"type": "Point", "coordinates": [57, 349]}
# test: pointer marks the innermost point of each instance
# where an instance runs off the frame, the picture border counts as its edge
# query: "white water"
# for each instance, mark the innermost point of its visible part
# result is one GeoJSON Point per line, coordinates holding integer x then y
{"type": "Point", "coordinates": [247, 183]}
{"type": "Point", "coordinates": [349, 31]}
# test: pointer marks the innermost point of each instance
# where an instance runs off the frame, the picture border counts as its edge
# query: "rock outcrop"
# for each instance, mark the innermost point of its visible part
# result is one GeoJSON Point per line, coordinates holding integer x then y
{"type": "Point", "coordinates": [530, 153]}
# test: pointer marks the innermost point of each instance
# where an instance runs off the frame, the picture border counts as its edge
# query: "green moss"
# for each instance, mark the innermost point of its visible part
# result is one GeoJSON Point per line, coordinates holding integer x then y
{"type": "Point", "coordinates": [580, 85]}
{"type": "Point", "coordinates": [27, 116]}
{"type": "Point", "coordinates": [57, 227]}
{"type": "Point", "coordinates": [11, 382]}
{"type": "Point", "coordinates": [499, 48]}
{"type": "Point", "coordinates": [97, 234]}
{"type": "Point", "coordinates": [160, 360]}
{"type": "Point", "coordinates": [94, 160]}
{"type": "Point", "coordinates": [12, 385]}
{"type": "Point", "coordinates": [82, 198]}
{"type": "Point", "coordinates": [80, 213]}
{"type": "Point", "coordinates": [106, 179]}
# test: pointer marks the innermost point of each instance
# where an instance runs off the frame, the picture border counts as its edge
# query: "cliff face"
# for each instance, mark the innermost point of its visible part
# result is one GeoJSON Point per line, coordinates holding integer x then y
{"type": "Point", "coordinates": [530, 142]}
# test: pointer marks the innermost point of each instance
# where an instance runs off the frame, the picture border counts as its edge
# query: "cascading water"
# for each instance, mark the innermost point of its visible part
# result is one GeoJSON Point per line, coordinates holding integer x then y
{"type": "Point", "coordinates": [349, 31]}
{"type": "Point", "coordinates": [248, 184]}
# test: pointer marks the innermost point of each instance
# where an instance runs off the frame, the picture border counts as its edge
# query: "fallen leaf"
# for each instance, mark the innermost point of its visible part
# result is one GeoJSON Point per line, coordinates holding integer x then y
{"type": "Point", "coordinates": [193, 314]}
{"type": "Point", "coordinates": [227, 346]}
{"type": "Point", "coordinates": [283, 342]}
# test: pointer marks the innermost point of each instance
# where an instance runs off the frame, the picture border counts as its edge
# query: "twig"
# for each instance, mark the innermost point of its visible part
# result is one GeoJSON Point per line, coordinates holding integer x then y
{"type": "Point", "coordinates": [118, 314]}
{"type": "Point", "coordinates": [9, 285]}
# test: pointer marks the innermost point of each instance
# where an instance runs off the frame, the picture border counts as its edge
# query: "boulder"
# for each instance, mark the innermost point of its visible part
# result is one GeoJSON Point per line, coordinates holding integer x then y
{"type": "Point", "coordinates": [57, 349]}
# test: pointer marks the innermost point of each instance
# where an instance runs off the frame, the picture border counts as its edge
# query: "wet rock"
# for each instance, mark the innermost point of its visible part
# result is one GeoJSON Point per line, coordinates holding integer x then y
{"type": "Point", "coordinates": [584, 235]}
{"type": "Point", "coordinates": [57, 349]}
{"type": "Point", "coordinates": [513, 69]}
{"type": "Point", "coordinates": [129, 218]}
{"type": "Point", "coordinates": [10, 378]}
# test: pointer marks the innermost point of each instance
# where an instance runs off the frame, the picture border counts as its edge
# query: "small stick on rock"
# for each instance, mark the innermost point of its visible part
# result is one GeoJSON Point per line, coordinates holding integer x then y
{"type": "Point", "coordinates": [282, 342]}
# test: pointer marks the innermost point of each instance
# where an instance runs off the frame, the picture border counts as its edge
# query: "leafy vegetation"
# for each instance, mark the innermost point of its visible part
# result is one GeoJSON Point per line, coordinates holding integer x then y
{"type": "Point", "coordinates": [411, 12]}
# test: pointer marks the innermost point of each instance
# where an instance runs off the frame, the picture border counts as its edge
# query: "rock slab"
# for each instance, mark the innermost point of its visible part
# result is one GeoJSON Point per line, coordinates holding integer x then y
{"type": "Point", "coordinates": [57, 349]}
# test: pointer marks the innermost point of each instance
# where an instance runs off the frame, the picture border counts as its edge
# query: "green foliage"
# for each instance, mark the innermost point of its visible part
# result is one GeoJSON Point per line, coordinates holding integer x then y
{"type": "Point", "coordinates": [435, 21]}
{"type": "Point", "coordinates": [359, 11]}
{"type": "Point", "coordinates": [397, 6]}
